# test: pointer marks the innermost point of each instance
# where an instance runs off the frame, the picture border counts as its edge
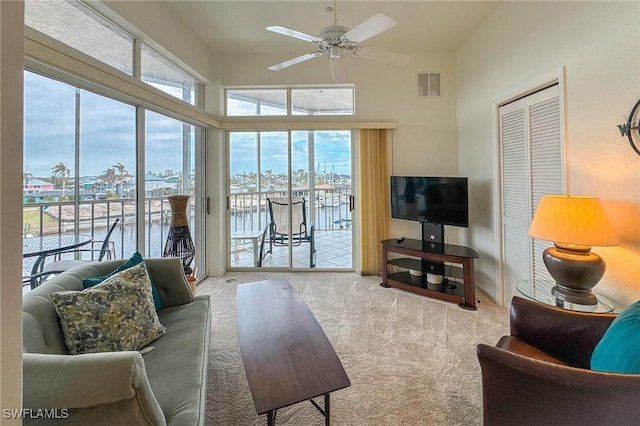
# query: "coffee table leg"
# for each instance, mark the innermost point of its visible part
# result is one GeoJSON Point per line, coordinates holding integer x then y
{"type": "Point", "coordinates": [271, 418]}
{"type": "Point", "coordinates": [327, 410]}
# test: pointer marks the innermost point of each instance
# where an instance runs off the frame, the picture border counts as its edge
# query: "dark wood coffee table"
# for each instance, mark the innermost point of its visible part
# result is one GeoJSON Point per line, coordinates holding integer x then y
{"type": "Point", "coordinates": [287, 357]}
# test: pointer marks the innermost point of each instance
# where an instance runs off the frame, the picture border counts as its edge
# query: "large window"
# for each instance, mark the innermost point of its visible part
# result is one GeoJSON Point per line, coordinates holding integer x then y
{"type": "Point", "coordinates": [80, 168]}
{"type": "Point", "coordinates": [83, 140]}
{"type": "Point", "coordinates": [304, 101]}
{"type": "Point", "coordinates": [79, 162]}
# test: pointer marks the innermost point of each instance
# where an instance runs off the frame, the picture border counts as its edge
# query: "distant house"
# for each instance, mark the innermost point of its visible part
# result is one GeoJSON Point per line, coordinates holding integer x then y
{"type": "Point", "coordinates": [155, 185]}
{"type": "Point", "coordinates": [173, 182]}
{"type": "Point", "coordinates": [91, 183]}
{"type": "Point", "coordinates": [35, 185]}
{"type": "Point", "coordinates": [55, 196]}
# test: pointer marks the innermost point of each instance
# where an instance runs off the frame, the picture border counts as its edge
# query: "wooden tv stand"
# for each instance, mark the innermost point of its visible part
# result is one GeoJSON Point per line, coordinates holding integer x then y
{"type": "Point", "coordinates": [463, 293]}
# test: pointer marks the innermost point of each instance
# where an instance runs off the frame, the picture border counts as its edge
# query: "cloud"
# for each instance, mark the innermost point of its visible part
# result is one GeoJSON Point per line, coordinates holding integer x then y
{"type": "Point", "coordinates": [107, 131]}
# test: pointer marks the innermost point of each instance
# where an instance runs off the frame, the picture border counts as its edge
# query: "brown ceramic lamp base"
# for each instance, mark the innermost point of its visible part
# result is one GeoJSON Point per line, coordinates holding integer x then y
{"type": "Point", "coordinates": [576, 270]}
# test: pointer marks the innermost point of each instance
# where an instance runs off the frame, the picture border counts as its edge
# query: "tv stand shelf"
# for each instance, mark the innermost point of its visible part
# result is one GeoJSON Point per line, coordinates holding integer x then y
{"type": "Point", "coordinates": [420, 251]}
{"type": "Point", "coordinates": [451, 271]}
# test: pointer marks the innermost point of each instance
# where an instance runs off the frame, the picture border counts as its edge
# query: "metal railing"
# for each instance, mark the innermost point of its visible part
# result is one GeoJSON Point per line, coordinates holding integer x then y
{"type": "Point", "coordinates": [93, 217]}
{"type": "Point", "coordinates": [330, 208]}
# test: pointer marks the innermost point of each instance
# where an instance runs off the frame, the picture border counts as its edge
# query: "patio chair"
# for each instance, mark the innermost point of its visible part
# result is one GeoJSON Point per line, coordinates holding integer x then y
{"type": "Point", "coordinates": [105, 252]}
{"type": "Point", "coordinates": [278, 228]}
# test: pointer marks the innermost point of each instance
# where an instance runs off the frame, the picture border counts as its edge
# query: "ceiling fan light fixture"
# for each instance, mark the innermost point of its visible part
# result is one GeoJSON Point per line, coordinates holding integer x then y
{"type": "Point", "coordinates": [335, 40]}
{"type": "Point", "coordinates": [335, 52]}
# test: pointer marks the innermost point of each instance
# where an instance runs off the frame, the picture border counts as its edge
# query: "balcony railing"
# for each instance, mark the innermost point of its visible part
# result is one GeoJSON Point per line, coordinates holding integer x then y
{"type": "Point", "coordinates": [249, 212]}
{"type": "Point", "coordinates": [93, 217]}
{"type": "Point", "coordinates": [330, 207]}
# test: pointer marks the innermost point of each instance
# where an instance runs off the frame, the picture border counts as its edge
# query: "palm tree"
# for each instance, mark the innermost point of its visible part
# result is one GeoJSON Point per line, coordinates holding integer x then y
{"type": "Point", "coordinates": [107, 177]}
{"type": "Point", "coordinates": [121, 175]}
{"type": "Point", "coordinates": [61, 171]}
{"type": "Point", "coordinates": [268, 176]}
{"type": "Point", "coordinates": [25, 179]}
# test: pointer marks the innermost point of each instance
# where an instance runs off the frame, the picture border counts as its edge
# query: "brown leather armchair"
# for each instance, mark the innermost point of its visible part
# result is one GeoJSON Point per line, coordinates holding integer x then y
{"type": "Point", "coordinates": [539, 374]}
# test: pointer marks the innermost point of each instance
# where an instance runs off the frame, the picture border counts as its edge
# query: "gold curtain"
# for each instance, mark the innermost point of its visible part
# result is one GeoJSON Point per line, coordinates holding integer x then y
{"type": "Point", "coordinates": [374, 197]}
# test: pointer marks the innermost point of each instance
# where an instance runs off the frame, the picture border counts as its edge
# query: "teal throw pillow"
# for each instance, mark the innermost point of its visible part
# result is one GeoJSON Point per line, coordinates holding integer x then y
{"type": "Point", "coordinates": [619, 349]}
{"type": "Point", "coordinates": [133, 261]}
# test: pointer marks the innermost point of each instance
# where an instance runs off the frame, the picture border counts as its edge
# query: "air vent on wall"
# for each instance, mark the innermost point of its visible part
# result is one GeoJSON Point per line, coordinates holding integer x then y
{"type": "Point", "coordinates": [429, 84]}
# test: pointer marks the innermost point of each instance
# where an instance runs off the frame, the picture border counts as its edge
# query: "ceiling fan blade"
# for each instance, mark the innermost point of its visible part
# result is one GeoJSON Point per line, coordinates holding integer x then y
{"type": "Point", "coordinates": [369, 28]}
{"type": "Point", "coordinates": [338, 70]}
{"type": "Point", "coordinates": [293, 33]}
{"type": "Point", "coordinates": [381, 56]}
{"type": "Point", "coordinates": [294, 61]}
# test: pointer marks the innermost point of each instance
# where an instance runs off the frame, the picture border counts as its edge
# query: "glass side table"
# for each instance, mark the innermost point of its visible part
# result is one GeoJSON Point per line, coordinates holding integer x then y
{"type": "Point", "coordinates": [543, 295]}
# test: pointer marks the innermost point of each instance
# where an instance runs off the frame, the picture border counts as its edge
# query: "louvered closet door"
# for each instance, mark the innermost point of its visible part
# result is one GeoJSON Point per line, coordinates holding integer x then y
{"type": "Point", "coordinates": [532, 166]}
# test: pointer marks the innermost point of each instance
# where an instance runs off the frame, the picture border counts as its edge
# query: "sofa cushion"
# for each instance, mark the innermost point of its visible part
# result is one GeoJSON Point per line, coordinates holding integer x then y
{"type": "Point", "coordinates": [177, 364]}
{"type": "Point", "coordinates": [619, 349]}
{"type": "Point", "coordinates": [133, 260]}
{"type": "Point", "coordinates": [115, 315]}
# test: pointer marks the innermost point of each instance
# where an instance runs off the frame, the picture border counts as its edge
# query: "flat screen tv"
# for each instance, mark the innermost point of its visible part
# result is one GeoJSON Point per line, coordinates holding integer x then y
{"type": "Point", "coordinates": [440, 200]}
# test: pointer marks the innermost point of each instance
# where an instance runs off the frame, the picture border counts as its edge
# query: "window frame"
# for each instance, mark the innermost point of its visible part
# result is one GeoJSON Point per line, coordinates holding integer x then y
{"type": "Point", "coordinates": [53, 59]}
{"type": "Point", "coordinates": [43, 42]}
{"type": "Point", "coordinates": [289, 106]}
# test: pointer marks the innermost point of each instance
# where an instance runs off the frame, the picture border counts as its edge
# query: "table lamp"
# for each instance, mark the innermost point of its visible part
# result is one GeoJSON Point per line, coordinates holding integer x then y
{"type": "Point", "coordinates": [574, 224]}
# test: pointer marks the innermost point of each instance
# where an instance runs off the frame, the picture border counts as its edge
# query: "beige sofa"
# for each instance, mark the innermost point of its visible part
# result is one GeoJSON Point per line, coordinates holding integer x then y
{"type": "Point", "coordinates": [166, 385]}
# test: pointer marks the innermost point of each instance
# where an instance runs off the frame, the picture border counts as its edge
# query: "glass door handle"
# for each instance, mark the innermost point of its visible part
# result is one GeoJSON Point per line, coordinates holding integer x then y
{"type": "Point", "coordinates": [352, 203]}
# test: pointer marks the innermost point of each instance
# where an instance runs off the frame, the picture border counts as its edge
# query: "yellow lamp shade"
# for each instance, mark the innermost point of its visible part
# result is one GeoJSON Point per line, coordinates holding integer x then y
{"type": "Point", "coordinates": [572, 220]}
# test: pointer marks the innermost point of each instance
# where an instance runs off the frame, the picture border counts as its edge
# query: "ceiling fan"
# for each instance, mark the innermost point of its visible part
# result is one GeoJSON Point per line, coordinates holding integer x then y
{"type": "Point", "coordinates": [336, 41]}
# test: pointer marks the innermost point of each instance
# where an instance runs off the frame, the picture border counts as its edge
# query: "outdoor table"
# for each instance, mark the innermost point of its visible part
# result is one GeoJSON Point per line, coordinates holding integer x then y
{"type": "Point", "coordinates": [47, 245]}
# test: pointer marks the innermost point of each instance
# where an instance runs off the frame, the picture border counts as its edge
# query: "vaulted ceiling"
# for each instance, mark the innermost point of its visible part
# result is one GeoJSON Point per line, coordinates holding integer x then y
{"type": "Point", "coordinates": [238, 27]}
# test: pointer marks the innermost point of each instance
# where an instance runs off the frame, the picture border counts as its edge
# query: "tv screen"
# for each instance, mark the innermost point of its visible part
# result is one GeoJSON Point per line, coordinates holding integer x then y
{"type": "Point", "coordinates": [442, 200]}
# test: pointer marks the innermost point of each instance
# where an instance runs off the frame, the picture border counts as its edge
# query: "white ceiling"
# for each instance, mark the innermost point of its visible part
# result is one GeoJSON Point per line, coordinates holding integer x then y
{"type": "Point", "coordinates": [238, 27]}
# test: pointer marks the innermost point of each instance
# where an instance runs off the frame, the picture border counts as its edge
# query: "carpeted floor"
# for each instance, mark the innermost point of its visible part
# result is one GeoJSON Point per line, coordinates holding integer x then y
{"type": "Point", "coordinates": [411, 359]}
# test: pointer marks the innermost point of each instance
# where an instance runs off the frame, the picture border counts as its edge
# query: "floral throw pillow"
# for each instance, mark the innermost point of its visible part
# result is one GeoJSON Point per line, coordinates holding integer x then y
{"type": "Point", "coordinates": [115, 315]}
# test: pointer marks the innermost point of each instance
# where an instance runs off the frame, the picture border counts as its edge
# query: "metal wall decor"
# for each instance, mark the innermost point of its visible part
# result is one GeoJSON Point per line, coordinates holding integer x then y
{"type": "Point", "coordinates": [631, 129]}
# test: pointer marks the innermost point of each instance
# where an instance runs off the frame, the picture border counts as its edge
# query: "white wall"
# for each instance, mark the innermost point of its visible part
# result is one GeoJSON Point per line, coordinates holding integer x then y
{"type": "Point", "coordinates": [598, 44]}
{"type": "Point", "coordinates": [425, 140]}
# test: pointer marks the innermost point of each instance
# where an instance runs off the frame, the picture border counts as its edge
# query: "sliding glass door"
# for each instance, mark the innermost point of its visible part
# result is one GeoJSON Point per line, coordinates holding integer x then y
{"type": "Point", "coordinates": [289, 200]}
{"type": "Point", "coordinates": [171, 168]}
